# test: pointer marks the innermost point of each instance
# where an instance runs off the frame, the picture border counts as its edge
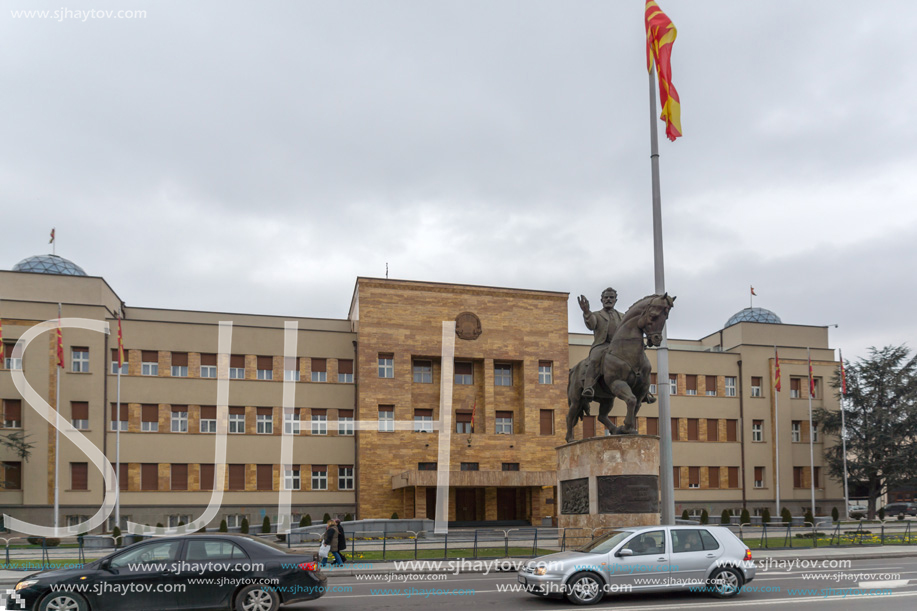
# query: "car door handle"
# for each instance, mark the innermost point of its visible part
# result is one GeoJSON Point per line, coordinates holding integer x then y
{"type": "Point", "coordinates": [661, 559]}
{"type": "Point", "coordinates": [711, 555]}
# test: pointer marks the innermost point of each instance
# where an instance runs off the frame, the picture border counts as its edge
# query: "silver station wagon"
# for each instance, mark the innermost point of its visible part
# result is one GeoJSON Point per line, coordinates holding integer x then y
{"type": "Point", "coordinates": [644, 559]}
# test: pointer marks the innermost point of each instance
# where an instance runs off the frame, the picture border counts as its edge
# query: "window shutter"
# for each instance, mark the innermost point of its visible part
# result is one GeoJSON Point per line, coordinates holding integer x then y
{"type": "Point", "coordinates": [237, 410]}
{"type": "Point", "coordinates": [237, 360]}
{"type": "Point", "coordinates": [179, 409]}
{"type": "Point", "coordinates": [731, 426]}
{"type": "Point", "coordinates": [265, 477]}
{"type": "Point", "coordinates": [345, 413]}
{"type": "Point", "coordinates": [124, 412]}
{"type": "Point", "coordinates": [149, 476]}
{"type": "Point", "coordinates": [265, 362]}
{"type": "Point", "coordinates": [265, 411]}
{"type": "Point", "coordinates": [179, 477]}
{"type": "Point", "coordinates": [208, 412]}
{"type": "Point", "coordinates": [692, 429]}
{"type": "Point", "coordinates": [345, 366]}
{"type": "Point", "coordinates": [319, 365]}
{"type": "Point", "coordinates": [694, 476]}
{"type": "Point", "coordinates": [207, 472]}
{"type": "Point", "coordinates": [691, 383]}
{"type": "Point", "coordinates": [676, 433]}
{"type": "Point", "coordinates": [79, 410]}
{"type": "Point", "coordinates": [123, 477]}
{"type": "Point", "coordinates": [149, 413]}
{"type": "Point", "coordinates": [324, 412]}
{"type": "Point", "coordinates": [710, 383]}
{"type": "Point", "coordinates": [79, 476]}
{"type": "Point", "coordinates": [546, 422]}
{"type": "Point", "coordinates": [209, 360]}
{"type": "Point", "coordinates": [150, 356]}
{"type": "Point", "coordinates": [237, 477]}
{"type": "Point", "coordinates": [463, 369]}
{"type": "Point", "coordinates": [504, 414]}
{"type": "Point", "coordinates": [180, 359]}
{"type": "Point", "coordinates": [713, 429]}
{"type": "Point", "coordinates": [588, 427]}
{"type": "Point", "coordinates": [733, 477]}
{"type": "Point", "coordinates": [12, 409]}
{"type": "Point", "coordinates": [652, 426]}
{"type": "Point", "coordinates": [713, 477]}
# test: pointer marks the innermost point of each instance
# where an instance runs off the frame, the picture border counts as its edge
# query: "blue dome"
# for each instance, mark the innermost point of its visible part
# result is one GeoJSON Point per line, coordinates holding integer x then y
{"type": "Point", "coordinates": [49, 264]}
{"type": "Point", "coordinates": [754, 315]}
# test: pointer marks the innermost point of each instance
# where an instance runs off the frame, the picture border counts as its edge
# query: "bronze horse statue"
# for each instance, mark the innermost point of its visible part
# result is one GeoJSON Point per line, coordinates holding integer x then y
{"type": "Point", "coordinates": [625, 368]}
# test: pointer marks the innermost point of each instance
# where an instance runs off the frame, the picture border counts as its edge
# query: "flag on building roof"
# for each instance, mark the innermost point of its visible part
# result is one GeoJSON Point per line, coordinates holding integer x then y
{"type": "Point", "coordinates": [60, 344]}
{"type": "Point", "coordinates": [51, 241]}
{"type": "Point", "coordinates": [120, 344]}
{"type": "Point", "coordinates": [776, 370]}
{"type": "Point", "coordinates": [753, 292]}
{"type": "Point", "coordinates": [660, 36]}
{"type": "Point", "coordinates": [811, 379]}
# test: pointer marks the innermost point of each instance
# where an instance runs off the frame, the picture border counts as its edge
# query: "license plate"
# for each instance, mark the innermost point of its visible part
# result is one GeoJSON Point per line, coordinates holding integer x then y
{"type": "Point", "coordinates": [521, 579]}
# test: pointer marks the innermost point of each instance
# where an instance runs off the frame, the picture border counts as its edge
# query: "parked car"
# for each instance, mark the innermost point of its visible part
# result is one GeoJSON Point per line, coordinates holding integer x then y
{"type": "Point", "coordinates": [896, 509]}
{"type": "Point", "coordinates": [644, 559]}
{"type": "Point", "coordinates": [857, 509]}
{"type": "Point", "coordinates": [242, 573]}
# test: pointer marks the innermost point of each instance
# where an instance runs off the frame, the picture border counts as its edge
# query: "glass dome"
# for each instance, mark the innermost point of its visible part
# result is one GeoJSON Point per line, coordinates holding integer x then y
{"type": "Point", "coordinates": [49, 264]}
{"type": "Point", "coordinates": [754, 315]}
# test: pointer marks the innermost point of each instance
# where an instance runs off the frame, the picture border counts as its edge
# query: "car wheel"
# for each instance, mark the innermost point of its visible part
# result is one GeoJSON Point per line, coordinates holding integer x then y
{"type": "Point", "coordinates": [63, 601]}
{"type": "Point", "coordinates": [257, 598]}
{"type": "Point", "coordinates": [585, 589]}
{"type": "Point", "coordinates": [725, 582]}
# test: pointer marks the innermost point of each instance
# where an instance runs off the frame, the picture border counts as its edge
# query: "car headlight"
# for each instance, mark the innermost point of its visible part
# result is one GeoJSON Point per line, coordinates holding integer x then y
{"type": "Point", "coordinates": [26, 583]}
{"type": "Point", "coordinates": [541, 570]}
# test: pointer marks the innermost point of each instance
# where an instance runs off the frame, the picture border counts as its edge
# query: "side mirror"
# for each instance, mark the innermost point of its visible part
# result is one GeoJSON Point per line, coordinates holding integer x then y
{"type": "Point", "coordinates": [625, 552]}
{"type": "Point", "coordinates": [105, 565]}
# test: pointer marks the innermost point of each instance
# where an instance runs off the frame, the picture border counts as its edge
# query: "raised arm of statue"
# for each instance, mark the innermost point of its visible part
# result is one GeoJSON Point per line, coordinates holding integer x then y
{"type": "Point", "coordinates": [588, 316]}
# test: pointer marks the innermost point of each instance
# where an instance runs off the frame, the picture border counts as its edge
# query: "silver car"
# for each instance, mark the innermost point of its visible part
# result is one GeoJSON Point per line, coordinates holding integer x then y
{"type": "Point", "coordinates": [644, 559]}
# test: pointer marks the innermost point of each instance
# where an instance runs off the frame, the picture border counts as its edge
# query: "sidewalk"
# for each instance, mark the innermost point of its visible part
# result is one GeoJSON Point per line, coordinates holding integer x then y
{"type": "Point", "coordinates": [469, 565]}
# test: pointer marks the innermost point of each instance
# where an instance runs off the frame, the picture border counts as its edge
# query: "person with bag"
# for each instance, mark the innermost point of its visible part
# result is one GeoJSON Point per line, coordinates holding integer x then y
{"type": "Point", "coordinates": [330, 540]}
{"type": "Point", "coordinates": [342, 540]}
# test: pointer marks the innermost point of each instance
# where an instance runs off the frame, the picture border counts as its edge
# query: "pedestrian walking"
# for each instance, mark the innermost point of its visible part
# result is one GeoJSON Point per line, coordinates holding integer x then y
{"type": "Point", "coordinates": [330, 539]}
{"type": "Point", "coordinates": [342, 540]}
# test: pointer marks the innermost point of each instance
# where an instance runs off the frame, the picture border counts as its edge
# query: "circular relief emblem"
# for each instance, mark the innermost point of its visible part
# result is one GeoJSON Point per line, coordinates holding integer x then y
{"type": "Point", "coordinates": [468, 326]}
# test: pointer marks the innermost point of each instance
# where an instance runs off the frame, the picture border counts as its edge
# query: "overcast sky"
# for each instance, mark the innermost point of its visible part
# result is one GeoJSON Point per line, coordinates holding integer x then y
{"type": "Point", "coordinates": [251, 157]}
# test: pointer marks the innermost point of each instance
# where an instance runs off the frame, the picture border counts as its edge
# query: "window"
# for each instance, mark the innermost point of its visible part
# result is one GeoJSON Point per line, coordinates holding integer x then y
{"type": "Point", "coordinates": [503, 374]}
{"type": "Point", "coordinates": [114, 362]}
{"type": "Point", "coordinates": [423, 420]}
{"type": "Point", "coordinates": [10, 475]}
{"type": "Point", "coordinates": [469, 466]}
{"type": "Point", "coordinates": [504, 423]}
{"type": "Point", "coordinates": [345, 371]}
{"type": "Point", "coordinates": [796, 431]}
{"type": "Point", "coordinates": [79, 415]}
{"type": "Point", "coordinates": [291, 423]}
{"type": "Point", "coordinates": [757, 430]}
{"type": "Point", "coordinates": [12, 413]}
{"type": "Point", "coordinates": [237, 477]}
{"type": "Point", "coordinates": [208, 423]}
{"type": "Point", "coordinates": [464, 373]}
{"type": "Point", "coordinates": [345, 422]}
{"type": "Point", "coordinates": [207, 476]}
{"type": "Point", "coordinates": [732, 427]}
{"type": "Point", "coordinates": [237, 420]}
{"type": "Point", "coordinates": [79, 476]}
{"type": "Point", "coordinates": [676, 477]}
{"type": "Point", "coordinates": [652, 426]}
{"type": "Point", "coordinates": [179, 364]}
{"type": "Point", "coordinates": [713, 430]}
{"type": "Point", "coordinates": [710, 386]}
{"type": "Point", "coordinates": [546, 422]}
{"type": "Point", "coordinates": [79, 360]}
{"type": "Point", "coordinates": [319, 370]}
{"type": "Point", "coordinates": [693, 477]}
{"type": "Point", "coordinates": [149, 476]}
{"type": "Point", "coordinates": [690, 385]}
{"type": "Point", "coordinates": [426, 466]}
{"type": "Point", "coordinates": [179, 418]}
{"type": "Point", "coordinates": [713, 477]}
{"type": "Point", "coordinates": [9, 362]}
{"type": "Point", "coordinates": [386, 418]}
{"type": "Point", "coordinates": [755, 386]}
{"type": "Point", "coordinates": [759, 477]}
{"type": "Point", "coordinates": [423, 372]}
{"type": "Point", "coordinates": [814, 432]}
{"type": "Point", "coordinates": [237, 367]}
{"type": "Point", "coordinates": [264, 420]}
{"type": "Point", "coordinates": [816, 384]}
{"type": "Point", "coordinates": [588, 427]}
{"type": "Point", "coordinates": [797, 477]}
{"type": "Point", "coordinates": [264, 477]}
{"type": "Point", "coordinates": [319, 422]}
{"type": "Point", "coordinates": [386, 365]}
{"type": "Point", "coordinates": [319, 477]}
{"type": "Point", "coordinates": [463, 422]}
{"type": "Point", "coordinates": [149, 365]}
{"type": "Point", "coordinates": [176, 520]}
{"type": "Point", "coordinates": [208, 365]}
{"type": "Point", "coordinates": [733, 476]}
{"type": "Point", "coordinates": [234, 521]}
{"type": "Point", "coordinates": [545, 372]}
{"type": "Point", "coordinates": [149, 418]}
{"type": "Point", "coordinates": [676, 432]}
{"type": "Point", "coordinates": [795, 388]}
{"type": "Point", "coordinates": [124, 520]}
{"type": "Point", "coordinates": [652, 383]}
{"type": "Point", "coordinates": [648, 543]}
{"type": "Point", "coordinates": [119, 417]}
{"type": "Point", "coordinates": [179, 479]}
{"type": "Point", "coordinates": [345, 477]}
{"type": "Point", "coordinates": [510, 466]}
{"type": "Point", "coordinates": [692, 429]}
{"type": "Point", "coordinates": [265, 368]}
{"type": "Point", "coordinates": [816, 479]}
{"type": "Point", "coordinates": [673, 383]}
{"type": "Point", "coordinates": [730, 386]}
{"type": "Point", "coordinates": [291, 369]}
{"type": "Point", "coordinates": [291, 479]}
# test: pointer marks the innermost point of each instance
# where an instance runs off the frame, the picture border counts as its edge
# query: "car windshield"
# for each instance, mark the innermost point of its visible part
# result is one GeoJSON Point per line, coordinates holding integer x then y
{"type": "Point", "coordinates": [606, 542]}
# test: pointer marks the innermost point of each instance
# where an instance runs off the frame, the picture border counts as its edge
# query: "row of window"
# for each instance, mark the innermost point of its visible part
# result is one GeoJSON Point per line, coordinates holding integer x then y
{"type": "Point", "coordinates": [177, 477]}
{"type": "Point", "coordinates": [503, 422]}
{"type": "Point", "coordinates": [728, 477]}
{"type": "Point", "coordinates": [691, 387]}
{"type": "Point", "coordinates": [422, 371]}
{"type": "Point", "coordinates": [467, 466]}
{"type": "Point", "coordinates": [233, 520]}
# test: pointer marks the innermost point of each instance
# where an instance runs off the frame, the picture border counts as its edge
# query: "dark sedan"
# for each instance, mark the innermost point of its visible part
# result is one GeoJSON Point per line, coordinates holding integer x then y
{"type": "Point", "coordinates": [188, 572]}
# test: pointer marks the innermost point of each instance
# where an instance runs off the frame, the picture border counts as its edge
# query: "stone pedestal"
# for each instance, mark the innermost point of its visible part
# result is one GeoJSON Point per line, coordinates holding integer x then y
{"type": "Point", "coordinates": [608, 482]}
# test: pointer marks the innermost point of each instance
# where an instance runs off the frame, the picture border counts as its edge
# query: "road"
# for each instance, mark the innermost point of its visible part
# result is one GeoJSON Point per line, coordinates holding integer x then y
{"type": "Point", "coordinates": [820, 588]}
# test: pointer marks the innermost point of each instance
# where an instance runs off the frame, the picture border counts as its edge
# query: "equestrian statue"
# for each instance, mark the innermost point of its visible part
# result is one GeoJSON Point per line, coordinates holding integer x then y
{"type": "Point", "coordinates": [617, 365]}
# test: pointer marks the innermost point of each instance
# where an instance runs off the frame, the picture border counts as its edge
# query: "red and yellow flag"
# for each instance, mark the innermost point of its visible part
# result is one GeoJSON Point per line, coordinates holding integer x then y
{"type": "Point", "coordinates": [811, 380]}
{"type": "Point", "coordinates": [776, 370]}
{"type": "Point", "coordinates": [60, 345]}
{"type": "Point", "coordinates": [660, 36]}
{"type": "Point", "coordinates": [120, 344]}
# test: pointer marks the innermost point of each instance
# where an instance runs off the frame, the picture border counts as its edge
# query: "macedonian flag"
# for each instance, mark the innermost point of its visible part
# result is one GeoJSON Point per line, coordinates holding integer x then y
{"type": "Point", "coordinates": [660, 36]}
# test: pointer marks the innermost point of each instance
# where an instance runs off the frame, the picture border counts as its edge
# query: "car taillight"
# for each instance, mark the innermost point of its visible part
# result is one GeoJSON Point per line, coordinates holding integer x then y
{"type": "Point", "coordinates": [747, 554]}
{"type": "Point", "coordinates": [307, 566]}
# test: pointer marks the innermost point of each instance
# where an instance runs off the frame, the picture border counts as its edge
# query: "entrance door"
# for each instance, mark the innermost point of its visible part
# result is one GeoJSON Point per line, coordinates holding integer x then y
{"type": "Point", "coordinates": [465, 504]}
{"type": "Point", "coordinates": [506, 504]}
{"type": "Point", "coordinates": [431, 503]}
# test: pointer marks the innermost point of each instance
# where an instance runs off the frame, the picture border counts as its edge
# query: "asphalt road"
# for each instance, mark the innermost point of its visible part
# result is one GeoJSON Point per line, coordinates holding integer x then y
{"type": "Point", "coordinates": [891, 583]}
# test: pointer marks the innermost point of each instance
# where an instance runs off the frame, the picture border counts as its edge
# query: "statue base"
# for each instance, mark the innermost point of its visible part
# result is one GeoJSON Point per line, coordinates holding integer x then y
{"type": "Point", "coordinates": [607, 482]}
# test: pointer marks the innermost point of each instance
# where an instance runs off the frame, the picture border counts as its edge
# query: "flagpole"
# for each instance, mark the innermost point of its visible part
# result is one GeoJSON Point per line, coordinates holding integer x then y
{"type": "Point", "coordinates": [666, 478]}
{"type": "Point", "coordinates": [57, 369]}
{"type": "Point", "coordinates": [776, 432]}
{"type": "Point", "coordinates": [811, 436]}
{"type": "Point", "coordinates": [118, 444]}
{"type": "Point", "coordinates": [844, 437]}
